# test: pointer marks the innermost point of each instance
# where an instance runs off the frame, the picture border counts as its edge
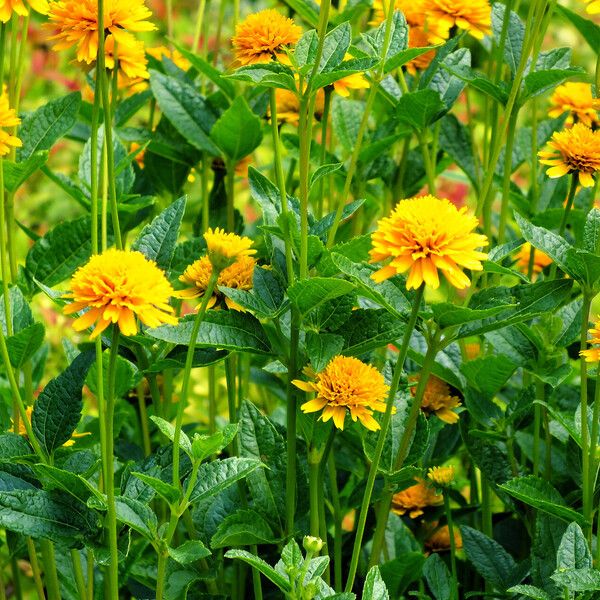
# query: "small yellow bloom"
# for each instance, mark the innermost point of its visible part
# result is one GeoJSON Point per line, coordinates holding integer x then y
{"type": "Point", "coordinates": [440, 539]}
{"type": "Point", "coordinates": [223, 249]}
{"type": "Point", "coordinates": [173, 55]}
{"type": "Point", "coordinates": [438, 400]}
{"type": "Point", "coordinates": [593, 354]}
{"type": "Point", "coordinates": [288, 106]}
{"type": "Point", "coordinates": [262, 35]}
{"type": "Point", "coordinates": [415, 499]}
{"type": "Point", "coordinates": [23, 430]}
{"type": "Point", "coordinates": [346, 384]}
{"type": "Point", "coordinates": [540, 259]}
{"type": "Point", "coordinates": [17, 7]}
{"type": "Point", "coordinates": [442, 477]}
{"type": "Point", "coordinates": [577, 100]}
{"type": "Point", "coordinates": [357, 81]}
{"type": "Point", "coordinates": [8, 118]}
{"type": "Point", "coordinates": [593, 7]}
{"type": "Point", "coordinates": [116, 287]}
{"type": "Point", "coordinates": [574, 150]}
{"type": "Point", "coordinates": [238, 275]}
{"type": "Point", "coordinates": [75, 23]}
{"type": "Point", "coordinates": [474, 16]}
{"type": "Point", "coordinates": [425, 234]}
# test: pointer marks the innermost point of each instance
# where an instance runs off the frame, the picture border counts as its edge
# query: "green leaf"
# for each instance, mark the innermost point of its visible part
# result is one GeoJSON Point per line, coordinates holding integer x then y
{"type": "Point", "coordinates": [539, 82]}
{"type": "Point", "coordinates": [218, 475]}
{"type": "Point", "coordinates": [189, 552]}
{"type": "Point", "coordinates": [227, 131]}
{"type": "Point", "coordinates": [488, 374]}
{"type": "Point", "coordinates": [586, 27]}
{"type": "Point", "coordinates": [541, 495]}
{"type": "Point", "coordinates": [157, 240]}
{"type": "Point", "coordinates": [258, 563]}
{"type": "Point", "coordinates": [202, 66]}
{"type": "Point", "coordinates": [449, 315]}
{"type": "Point", "coordinates": [591, 232]}
{"type": "Point", "coordinates": [322, 171]}
{"type": "Point", "coordinates": [272, 75]}
{"type": "Point", "coordinates": [54, 516]}
{"type": "Point", "coordinates": [398, 37]}
{"type": "Point", "coordinates": [335, 47]}
{"type": "Point", "coordinates": [447, 85]}
{"type": "Point", "coordinates": [40, 129]}
{"type": "Point", "coordinates": [578, 580]}
{"type": "Point", "coordinates": [229, 330]}
{"type": "Point", "coordinates": [321, 348]}
{"type": "Point", "coordinates": [514, 34]}
{"type": "Point", "coordinates": [401, 571]}
{"type": "Point", "coordinates": [374, 588]}
{"type": "Point", "coordinates": [478, 81]}
{"type": "Point", "coordinates": [573, 552]}
{"type": "Point", "coordinates": [205, 445]}
{"type": "Point", "coordinates": [310, 293]}
{"type": "Point", "coordinates": [529, 591]}
{"type": "Point", "coordinates": [24, 344]}
{"type": "Point", "coordinates": [21, 315]}
{"type": "Point", "coordinates": [53, 478]}
{"type": "Point", "coordinates": [346, 116]}
{"type": "Point", "coordinates": [57, 255]}
{"type": "Point", "coordinates": [137, 515]}
{"type": "Point", "coordinates": [165, 490]}
{"type": "Point", "coordinates": [127, 376]}
{"type": "Point", "coordinates": [369, 329]}
{"type": "Point", "coordinates": [438, 577]}
{"type": "Point", "coordinates": [456, 142]}
{"type": "Point", "coordinates": [489, 558]}
{"type": "Point", "coordinates": [419, 109]}
{"type": "Point", "coordinates": [16, 173]}
{"type": "Point", "coordinates": [57, 410]}
{"type": "Point", "coordinates": [168, 430]}
{"type": "Point", "coordinates": [405, 56]}
{"type": "Point", "coordinates": [13, 446]}
{"type": "Point", "coordinates": [243, 528]}
{"type": "Point", "coordinates": [186, 109]}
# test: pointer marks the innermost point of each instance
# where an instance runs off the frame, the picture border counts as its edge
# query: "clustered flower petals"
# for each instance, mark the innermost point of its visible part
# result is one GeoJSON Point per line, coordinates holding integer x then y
{"type": "Point", "coordinates": [442, 477]}
{"type": "Point", "coordinates": [415, 499]}
{"type": "Point", "coordinates": [8, 119]}
{"type": "Point", "coordinates": [262, 35]}
{"type": "Point", "coordinates": [576, 99]}
{"type": "Point", "coordinates": [438, 400]}
{"type": "Point", "coordinates": [346, 385]}
{"type": "Point", "coordinates": [474, 16]}
{"type": "Point", "coordinates": [540, 259]}
{"type": "Point", "coordinates": [18, 7]}
{"type": "Point", "coordinates": [223, 249]}
{"type": "Point", "coordinates": [593, 354]}
{"type": "Point", "coordinates": [425, 235]}
{"type": "Point", "coordinates": [116, 287]}
{"type": "Point", "coordinates": [575, 150]}
{"type": "Point", "coordinates": [439, 540]}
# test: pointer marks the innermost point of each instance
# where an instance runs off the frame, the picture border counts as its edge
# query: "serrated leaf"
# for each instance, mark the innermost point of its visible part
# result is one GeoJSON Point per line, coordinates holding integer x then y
{"type": "Point", "coordinates": [586, 27]}
{"type": "Point", "coordinates": [455, 141]}
{"type": "Point", "coordinates": [573, 552]}
{"type": "Point", "coordinates": [310, 293]}
{"type": "Point", "coordinates": [258, 563]}
{"type": "Point", "coordinates": [57, 410]}
{"type": "Point", "coordinates": [189, 552]}
{"type": "Point", "coordinates": [16, 173]}
{"type": "Point", "coordinates": [578, 580]}
{"type": "Point", "coordinates": [513, 37]}
{"type": "Point", "coordinates": [539, 82]}
{"type": "Point", "coordinates": [24, 344]}
{"type": "Point", "coordinates": [243, 528]}
{"type": "Point", "coordinates": [137, 515]}
{"type": "Point", "coordinates": [335, 46]}
{"type": "Point", "coordinates": [321, 348]}
{"type": "Point", "coordinates": [157, 240]}
{"type": "Point", "coordinates": [591, 232]}
{"type": "Point", "coordinates": [438, 577]}
{"type": "Point", "coordinates": [165, 490]}
{"type": "Point", "coordinates": [273, 75]}
{"type": "Point", "coordinates": [168, 429]}
{"type": "Point", "coordinates": [419, 109]}
{"type": "Point", "coordinates": [529, 591]}
{"type": "Point", "coordinates": [374, 588]}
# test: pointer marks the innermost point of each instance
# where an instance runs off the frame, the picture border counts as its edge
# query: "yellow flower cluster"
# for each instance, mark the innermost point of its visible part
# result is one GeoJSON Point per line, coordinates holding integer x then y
{"type": "Point", "coordinates": [8, 119]}
{"type": "Point", "coordinates": [415, 499]}
{"type": "Point", "coordinates": [540, 259]}
{"type": "Point", "coordinates": [442, 477]}
{"type": "Point", "coordinates": [18, 7]}
{"type": "Point", "coordinates": [577, 100]}
{"type": "Point", "coordinates": [438, 400]}
{"type": "Point", "coordinates": [593, 354]}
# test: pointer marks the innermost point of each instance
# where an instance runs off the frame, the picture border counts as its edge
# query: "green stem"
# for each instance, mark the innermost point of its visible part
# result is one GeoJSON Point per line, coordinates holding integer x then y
{"type": "Point", "coordinates": [141, 396]}
{"type": "Point", "coordinates": [198, 28]}
{"type": "Point", "coordinates": [35, 568]}
{"type": "Point", "coordinates": [204, 191]}
{"type": "Point", "coordinates": [50, 575]}
{"type": "Point", "coordinates": [405, 442]}
{"type": "Point", "coordinates": [565, 217]}
{"type": "Point", "coordinates": [537, 423]}
{"type": "Point", "coordinates": [385, 424]}
{"type": "Point", "coordinates": [189, 360]}
{"type": "Point", "coordinates": [78, 572]}
{"type": "Point", "coordinates": [90, 575]}
{"type": "Point", "coordinates": [3, 255]}
{"type": "Point", "coordinates": [212, 400]}
{"type": "Point", "coordinates": [314, 494]}
{"type": "Point", "coordinates": [448, 512]}
{"type": "Point", "coordinates": [508, 157]}
{"type": "Point", "coordinates": [230, 368]}
{"type": "Point", "coordinates": [230, 188]}
{"type": "Point", "coordinates": [324, 127]}
{"type": "Point", "coordinates": [108, 459]}
{"type": "Point", "coordinates": [337, 523]}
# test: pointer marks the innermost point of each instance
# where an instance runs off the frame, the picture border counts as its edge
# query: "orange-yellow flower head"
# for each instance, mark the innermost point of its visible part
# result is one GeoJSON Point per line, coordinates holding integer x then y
{"type": "Point", "coordinates": [131, 58]}
{"type": "Point", "coordinates": [425, 235]}
{"type": "Point", "coordinates": [238, 275]}
{"type": "Point", "coordinates": [223, 249]}
{"type": "Point", "coordinates": [577, 100]}
{"type": "Point", "coordinates": [346, 385]}
{"type": "Point", "coordinates": [438, 399]}
{"type": "Point", "coordinates": [593, 7]}
{"type": "Point", "coordinates": [574, 150]}
{"type": "Point", "coordinates": [540, 259]}
{"type": "Point", "coordinates": [173, 55]}
{"type": "Point", "coordinates": [474, 16]}
{"type": "Point", "coordinates": [415, 499]}
{"type": "Point", "coordinates": [441, 477]}
{"type": "Point", "coordinates": [8, 119]}
{"type": "Point", "coordinates": [116, 287]}
{"type": "Point", "coordinates": [439, 541]}
{"type": "Point", "coordinates": [75, 23]}
{"type": "Point", "coordinates": [592, 354]}
{"type": "Point", "coordinates": [18, 7]}
{"type": "Point", "coordinates": [262, 35]}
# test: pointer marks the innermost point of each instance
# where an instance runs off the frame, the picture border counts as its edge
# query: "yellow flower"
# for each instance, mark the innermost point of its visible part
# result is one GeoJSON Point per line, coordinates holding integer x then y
{"type": "Point", "coordinates": [8, 7]}
{"type": "Point", "coordinates": [593, 354]}
{"type": "Point", "coordinates": [23, 430]}
{"type": "Point", "coordinates": [262, 35]}
{"type": "Point", "coordinates": [440, 539]}
{"type": "Point", "coordinates": [356, 81]}
{"type": "Point", "coordinates": [173, 55]}
{"type": "Point", "coordinates": [577, 100]}
{"type": "Point", "coordinates": [75, 23]}
{"type": "Point", "coordinates": [8, 118]}
{"type": "Point", "coordinates": [594, 7]}
{"type": "Point", "coordinates": [574, 150]}
{"type": "Point", "coordinates": [474, 16]}
{"type": "Point", "coordinates": [223, 249]}
{"type": "Point", "coordinates": [540, 259]}
{"type": "Point", "coordinates": [238, 275]}
{"type": "Point", "coordinates": [115, 287]}
{"type": "Point", "coordinates": [438, 400]}
{"type": "Point", "coordinates": [425, 234]}
{"type": "Point", "coordinates": [346, 384]}
{"type": "Point", "coordinates": [288, 105]}
{"type": "Point", "coordinates": [441, 476]}
{"type": "Point", "coordinates": [415, 499]}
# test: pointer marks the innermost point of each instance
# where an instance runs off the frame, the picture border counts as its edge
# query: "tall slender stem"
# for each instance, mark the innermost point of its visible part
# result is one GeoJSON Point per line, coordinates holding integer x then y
{"type": "Point", "coordinates": [50, 575]}
{"type": "Point", "coordinates": [385, 424]}
{"type": "Point", "coordinates": [588, 493]}
{"type": "Point", "coordinates": [314, 494]}
{"type": "Point", "coordinates": [337, 524]}
{"type": "Point", "coordinates": [35, 568]}
{"type": "Point", "coordinates": [448, 512]}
